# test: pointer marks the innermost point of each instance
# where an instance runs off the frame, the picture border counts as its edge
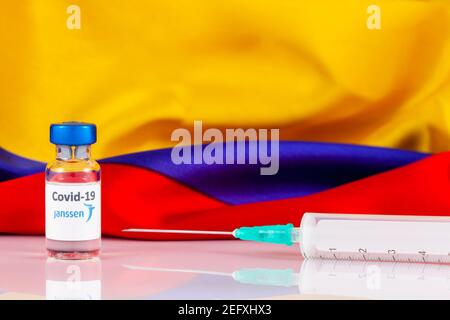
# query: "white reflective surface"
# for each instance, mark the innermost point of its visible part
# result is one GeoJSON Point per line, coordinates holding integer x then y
{"type": "Point", "coordinates": [207, 270]}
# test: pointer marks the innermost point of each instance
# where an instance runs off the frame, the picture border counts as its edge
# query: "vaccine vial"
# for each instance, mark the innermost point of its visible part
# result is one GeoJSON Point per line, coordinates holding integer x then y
{"type": "Point", "coordinates": [72, 194]}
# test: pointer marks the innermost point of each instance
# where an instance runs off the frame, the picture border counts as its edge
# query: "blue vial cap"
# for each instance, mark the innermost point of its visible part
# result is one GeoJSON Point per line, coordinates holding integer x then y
{"type": "Point", "coordinates": [73, 133]}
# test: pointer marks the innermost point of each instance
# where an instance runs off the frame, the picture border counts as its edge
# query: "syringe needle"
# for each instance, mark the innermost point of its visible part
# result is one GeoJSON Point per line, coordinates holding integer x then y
{"type": "Point", "coordinates": [281, 234]}
{"type": "Point", "coordinates": [179, 231]}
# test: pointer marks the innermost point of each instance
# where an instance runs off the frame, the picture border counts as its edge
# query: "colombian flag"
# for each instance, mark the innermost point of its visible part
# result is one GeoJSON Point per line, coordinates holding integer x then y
{"type": "Point", "coordinates": [360, 93]}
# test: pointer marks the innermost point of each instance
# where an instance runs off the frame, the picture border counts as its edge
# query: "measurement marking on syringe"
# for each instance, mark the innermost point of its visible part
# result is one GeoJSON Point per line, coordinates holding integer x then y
{"type": "Point", "coordinates": [363, 253]}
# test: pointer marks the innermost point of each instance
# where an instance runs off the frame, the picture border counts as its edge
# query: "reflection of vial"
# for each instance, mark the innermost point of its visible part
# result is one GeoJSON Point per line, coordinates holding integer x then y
{"type": "Point", "coordinates": [73, 280]}
{"type": "Point", "coordinates": [72, 193]}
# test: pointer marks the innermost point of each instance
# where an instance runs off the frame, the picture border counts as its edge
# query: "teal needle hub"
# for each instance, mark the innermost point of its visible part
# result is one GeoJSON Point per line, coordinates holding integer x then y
{"type": "Point", "coordinates": [279, 234]}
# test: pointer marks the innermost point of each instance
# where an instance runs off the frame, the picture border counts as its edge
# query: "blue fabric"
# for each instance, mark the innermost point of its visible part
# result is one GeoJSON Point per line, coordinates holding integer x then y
{"type": "Point", "coordinates": [12, 166]}
{"type": "Point", "coordinates": [305, 168]}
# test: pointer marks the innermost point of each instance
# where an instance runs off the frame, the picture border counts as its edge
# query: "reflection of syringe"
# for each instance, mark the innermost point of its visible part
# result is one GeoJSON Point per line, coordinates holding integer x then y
{"type": "Point", "coordinates": [374, 280]}
{"type": "Point", "coordinates": [392, 238]}
{"type": "Point", "coordinates": [357, 279]}
{"type": "Point", "coordinates": [256, 276]}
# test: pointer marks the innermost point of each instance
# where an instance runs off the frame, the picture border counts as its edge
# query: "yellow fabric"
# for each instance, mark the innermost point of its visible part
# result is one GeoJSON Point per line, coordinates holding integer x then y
{"type": "Point", "coordinates": [140, 69]}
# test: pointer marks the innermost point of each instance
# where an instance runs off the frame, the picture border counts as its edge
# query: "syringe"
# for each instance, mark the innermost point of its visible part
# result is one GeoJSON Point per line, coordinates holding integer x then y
{"type": "Point", "coordinates": [280, 234]}
{"type": "Point", "coordinates": [365, 237]}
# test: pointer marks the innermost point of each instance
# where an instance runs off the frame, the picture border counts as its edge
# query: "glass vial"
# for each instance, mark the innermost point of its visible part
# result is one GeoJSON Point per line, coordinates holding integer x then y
{"type": "Point", "coordinates": [72, 194]}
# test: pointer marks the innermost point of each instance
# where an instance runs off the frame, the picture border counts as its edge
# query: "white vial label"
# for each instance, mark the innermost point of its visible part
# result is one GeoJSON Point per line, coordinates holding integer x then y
{"type": "Point", "coordinates": [72, 211]}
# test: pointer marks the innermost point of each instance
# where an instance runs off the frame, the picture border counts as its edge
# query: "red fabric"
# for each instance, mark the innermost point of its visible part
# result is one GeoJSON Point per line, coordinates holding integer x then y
{"type": "Point", "coordinates": [131, 197]}
{"type": "Point", "coordinates": [138, 198]}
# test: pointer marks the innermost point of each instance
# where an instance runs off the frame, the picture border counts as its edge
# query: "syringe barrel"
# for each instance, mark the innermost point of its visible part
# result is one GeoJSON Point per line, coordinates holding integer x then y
{"type": "Point", "coordinates": [375, 237]}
